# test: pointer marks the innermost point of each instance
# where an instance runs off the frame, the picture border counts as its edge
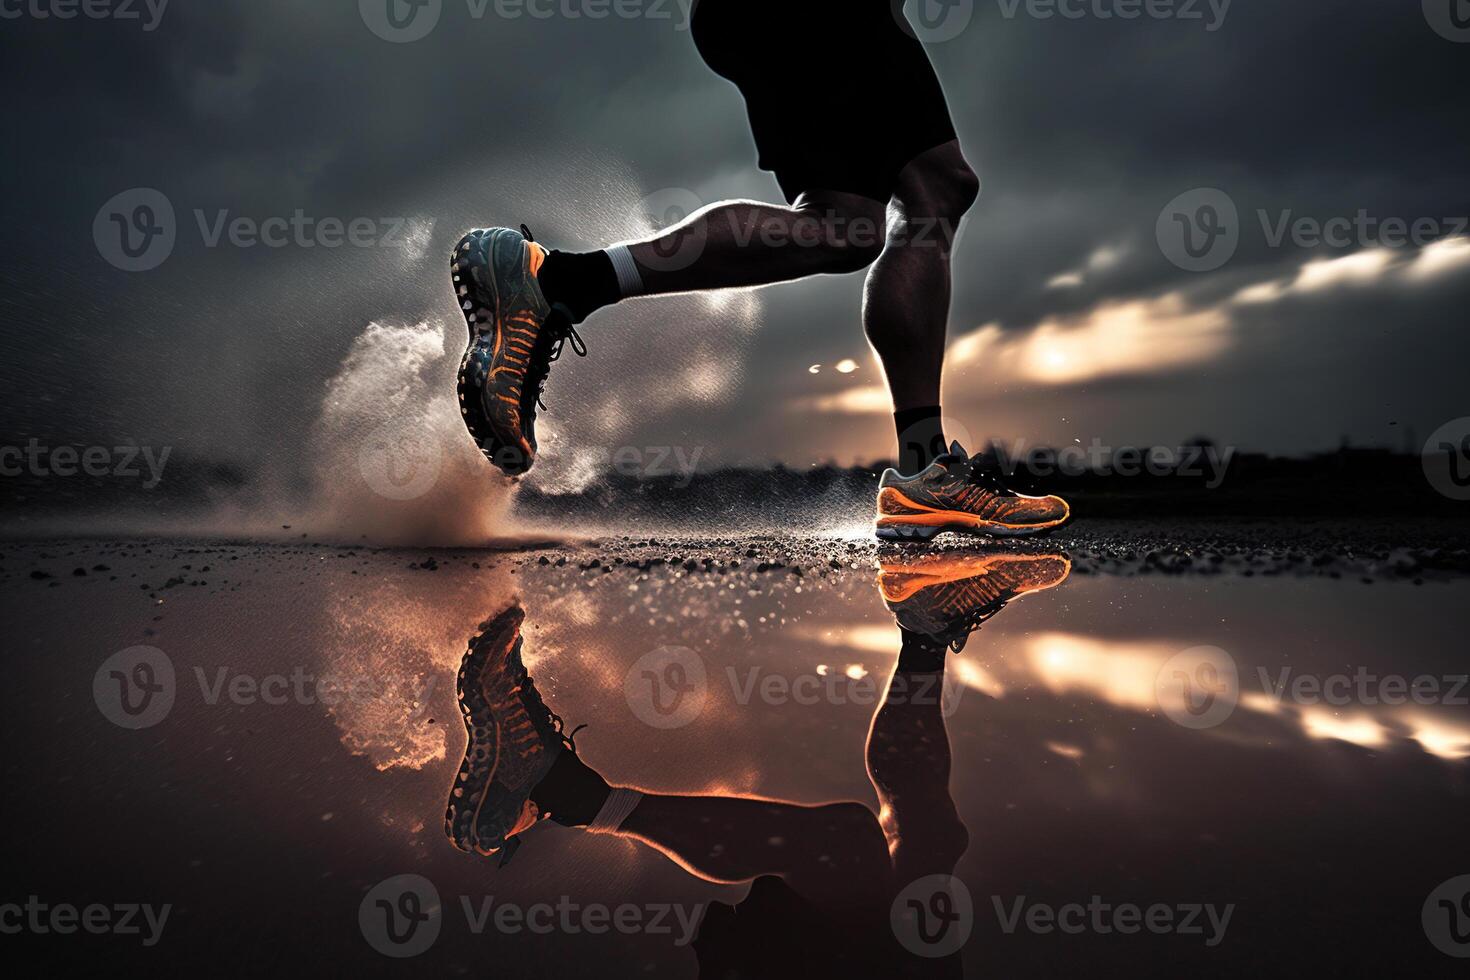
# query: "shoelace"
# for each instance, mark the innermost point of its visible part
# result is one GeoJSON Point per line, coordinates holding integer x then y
{"type": "Point", "coordinates": [560, 330]}
{"type": "Point", "coordinates": [569, 739]}
{"type": "Point", "coordinates": [959, 634]}
{"type": "Point", "coordinates": [984, 473]}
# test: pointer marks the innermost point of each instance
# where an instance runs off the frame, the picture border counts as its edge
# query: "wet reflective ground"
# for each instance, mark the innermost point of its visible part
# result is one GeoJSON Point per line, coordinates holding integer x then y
{"type": "Point", "coordinates": [1140, 786]}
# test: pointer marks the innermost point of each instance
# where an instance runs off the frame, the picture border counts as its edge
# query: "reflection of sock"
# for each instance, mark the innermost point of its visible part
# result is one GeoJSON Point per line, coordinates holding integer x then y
{"type": "Point", "coordinates": [620, 803]}
{"type": "Point", "coordinates": [921, 653]}
{"type": "Point", "coordinates": [920, 438]}
{"type": "Point", "coordinates": [583, 282]}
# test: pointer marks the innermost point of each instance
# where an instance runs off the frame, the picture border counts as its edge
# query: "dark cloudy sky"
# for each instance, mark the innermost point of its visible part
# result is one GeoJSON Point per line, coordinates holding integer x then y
{"type": "Point", "coordinates": [1070, 320]}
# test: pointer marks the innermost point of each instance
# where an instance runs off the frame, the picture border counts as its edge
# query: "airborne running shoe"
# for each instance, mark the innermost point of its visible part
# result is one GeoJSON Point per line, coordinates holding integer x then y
{"type": "Point", "coordinates": [513, 741]}
{"type": "Point", "coordinates": [515, 334]}
{"type": "Point", "coordinates": [958, 493]}
{"type": "Point", "coordinates": [948, 596]}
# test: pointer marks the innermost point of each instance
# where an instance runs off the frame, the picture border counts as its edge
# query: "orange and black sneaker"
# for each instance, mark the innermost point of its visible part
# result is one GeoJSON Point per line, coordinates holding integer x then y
{"type": "Point", "coordinates": [514, 739]}
{"type": "Point", "coordinates": [515, 334]}
{"type": "Point", "coordinates": [947, 596]}
{"type": "Point", "coordinates": [958, 493]}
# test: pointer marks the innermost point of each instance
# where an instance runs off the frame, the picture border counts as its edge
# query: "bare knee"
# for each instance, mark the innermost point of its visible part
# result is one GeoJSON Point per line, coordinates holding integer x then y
{"type": "Point", "coordinates": [849, 861]}
{"type": "Point", "coordinates": [856, 827]}
{"type": "Point", "coordinates": [938, 185]}
{"type": "Point", "coordinates": [929, 846]}
{"type": "Point", "coordinates": [849, 231]}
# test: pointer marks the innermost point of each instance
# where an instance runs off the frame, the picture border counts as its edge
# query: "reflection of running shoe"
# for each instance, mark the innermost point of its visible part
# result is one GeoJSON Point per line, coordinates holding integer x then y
{"type": "Point", "coordinates": [513, 741]}
{"type": "Point", "coordinates": [957, 493]}
{"type": "Point", "coordinates": [948, 596]}
{"type": "Point", "coordinates": [515, 334]}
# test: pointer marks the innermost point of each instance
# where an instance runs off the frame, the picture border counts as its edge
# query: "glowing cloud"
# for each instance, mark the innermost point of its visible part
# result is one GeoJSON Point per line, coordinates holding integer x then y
{"type": "Point", "coordinates": [1116, 338]}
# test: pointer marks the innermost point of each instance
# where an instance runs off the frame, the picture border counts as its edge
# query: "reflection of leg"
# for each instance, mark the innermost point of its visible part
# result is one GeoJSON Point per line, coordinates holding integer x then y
{"type": "Point", "coordinates": [833, 854]}
{"type": "Point", "coordinates": [909, 764]}
{"type": "Point", "coordinates": [823, 852]}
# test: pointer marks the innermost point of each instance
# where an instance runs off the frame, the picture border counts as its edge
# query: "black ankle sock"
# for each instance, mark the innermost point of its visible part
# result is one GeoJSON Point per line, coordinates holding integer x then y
{"type": "Point", "coordinates": [584, 282]}
{"type": "Point", "coordinates": [571, 792]}
{"type": "Point", "coordinates": [920, 438]}
{"type": "Point", "coordinates": [920, 653]}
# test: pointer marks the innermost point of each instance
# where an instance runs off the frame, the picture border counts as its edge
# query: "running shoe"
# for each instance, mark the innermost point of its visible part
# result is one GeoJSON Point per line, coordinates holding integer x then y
{"type": "Point", "coordinates": [947, 596]}
{"type": "Point", "coordinates": [960, 493]}
{"type": "Point", "coordinates": [513, 741]}
{"type": "Point", "coordinates": [514, 335]}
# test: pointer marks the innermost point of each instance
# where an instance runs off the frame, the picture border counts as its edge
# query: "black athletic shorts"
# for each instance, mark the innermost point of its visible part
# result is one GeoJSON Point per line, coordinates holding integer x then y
{"type": "Point", "coordinates": [840, 95]}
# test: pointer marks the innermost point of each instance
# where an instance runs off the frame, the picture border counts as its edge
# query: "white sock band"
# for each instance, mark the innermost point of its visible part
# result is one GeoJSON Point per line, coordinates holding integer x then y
{"type": "Point", "coordinates": [615, 809]}
{"type": "Point", "coordinates": [630, 280]}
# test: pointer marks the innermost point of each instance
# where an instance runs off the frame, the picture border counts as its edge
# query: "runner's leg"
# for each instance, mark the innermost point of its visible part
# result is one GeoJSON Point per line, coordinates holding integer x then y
{"type": "Point", "coordinates": [907, 296]}
{"type": "Point", "coordinates": [728, 245]}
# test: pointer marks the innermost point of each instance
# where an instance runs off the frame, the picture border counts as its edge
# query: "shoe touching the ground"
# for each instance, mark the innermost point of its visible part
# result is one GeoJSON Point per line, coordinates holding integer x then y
{"type": "Point", "coordinates": [947, 596]}
{"type": "Point", "coordinates": [957, 493]}
{"type": "Point", "coordinates": [514, 740]}
{"type": "Point", "coordinates": [515, 334]}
